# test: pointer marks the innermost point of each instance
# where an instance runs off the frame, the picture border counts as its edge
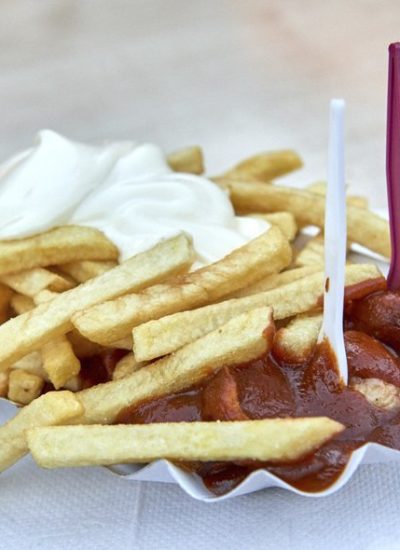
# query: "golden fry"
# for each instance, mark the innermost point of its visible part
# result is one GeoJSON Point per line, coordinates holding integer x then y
{"type": "Point", "coordinates": [313, 253]}
{"type": "Point", "coordinates": [284, 220]}
{"type": "Point", "coordinates": [31, 330]}
{"type": "Point", "coordinates": [124, 343]}
{"type": "Point", "coordinates": [265, 166]}
{"type": "Point", "coordinates": [319, 188]}
{"type": "Point", "coordinates": [44, 296]}
{"type": "Point", "coordinates": [59, 361]}
{"type": "Point", "coordinates": [60, 355]}
{"type": "Point", "coordinates": [358, 201]}
{"type": "Point", "coordinates": [33, 281]}
{"type": "Point", "coordinates": [46, 410]}
{"type": "Point", "coordinates": [295, 342]}
{"type": "Point", "coordinates": [111, 321]}
{"type": "Point", "coordinates": [363, 226]}
{"type": "Point", "coordinates": [24, 387]}
{"type": "Point", "coordinates": [86, 269]}
{"type": "Point", "coordinates": [271, 440]}
{"type": "Point", "coordinates": [275, 280]}
{"type": "Point", "coordinates": [126, 366]}
{"type": "Point", "coordinates": [82, 347]}
{"type": "Point", "coordinates": [159, 337]}
{"type": "Point", "coordinates": [21, 304]}
{"type": "Point", "coordinates": [5, 302]}
{"type": "Point", "coordinates": [241, 339]}
{"type": "Point", "coordinates": [189, 160]}
{"type": "Point", "coordinates": [74, 384]}
{"type": "Point", "coordinates": [3, 384]}
{"type": "Point", "coordinates": [57, 246]}
{"type": "Point", "coordinates": [32, 363]}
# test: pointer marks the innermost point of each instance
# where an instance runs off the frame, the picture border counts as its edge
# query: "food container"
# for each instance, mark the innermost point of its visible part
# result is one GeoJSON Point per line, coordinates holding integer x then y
{"type": "Point", "coordinates": [166, 472]}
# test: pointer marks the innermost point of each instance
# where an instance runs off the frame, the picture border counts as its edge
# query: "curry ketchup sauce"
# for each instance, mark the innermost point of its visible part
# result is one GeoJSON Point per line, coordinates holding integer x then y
{"type": "Point", "coordinates": [270, 388]}
{"type": "Point", "coordinates": [99, 368]}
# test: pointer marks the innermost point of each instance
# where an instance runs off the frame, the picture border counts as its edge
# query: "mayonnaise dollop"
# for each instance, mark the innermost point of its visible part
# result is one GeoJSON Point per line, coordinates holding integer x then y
{"type": "Point", "coordinates": [125, 189]}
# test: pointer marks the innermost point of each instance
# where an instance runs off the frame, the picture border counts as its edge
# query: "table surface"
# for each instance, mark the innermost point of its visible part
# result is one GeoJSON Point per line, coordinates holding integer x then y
{"type": "Point", "coordinates": [236, 77]}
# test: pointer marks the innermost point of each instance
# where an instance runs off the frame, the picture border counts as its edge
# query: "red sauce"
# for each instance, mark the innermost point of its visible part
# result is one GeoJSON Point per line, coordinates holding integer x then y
{"type": "Point", "coordinates": [99, 368]}
{"type": "Point", "coordinates": [378, 315]}
{"type": "Point", "coordinates": [268, 388]}
{"type": "Point", "coordinates": [360, 290]}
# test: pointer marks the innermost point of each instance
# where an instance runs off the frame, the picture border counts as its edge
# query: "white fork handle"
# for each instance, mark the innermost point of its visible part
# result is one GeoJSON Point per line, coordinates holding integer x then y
{"type": "Point", "coordinates": [335, 238]}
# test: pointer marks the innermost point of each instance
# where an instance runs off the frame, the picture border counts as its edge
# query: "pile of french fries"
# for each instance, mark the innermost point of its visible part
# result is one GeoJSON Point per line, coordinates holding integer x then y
{"type": "Point", "coordinates": [64, 297]}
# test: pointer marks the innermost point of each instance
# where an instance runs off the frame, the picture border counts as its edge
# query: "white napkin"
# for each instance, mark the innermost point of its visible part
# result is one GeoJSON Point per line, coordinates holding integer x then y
{"type": "Point", "coordinates": [91, 509]}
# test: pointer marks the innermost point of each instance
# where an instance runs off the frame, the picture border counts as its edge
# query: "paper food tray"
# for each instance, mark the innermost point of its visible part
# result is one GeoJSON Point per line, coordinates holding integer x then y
{"type": "Point", "coordinates": [165, 472]}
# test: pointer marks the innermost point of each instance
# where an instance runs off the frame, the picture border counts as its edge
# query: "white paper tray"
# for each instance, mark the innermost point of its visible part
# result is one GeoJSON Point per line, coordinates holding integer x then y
{"type": "Point", "coordinates": [166, 472]}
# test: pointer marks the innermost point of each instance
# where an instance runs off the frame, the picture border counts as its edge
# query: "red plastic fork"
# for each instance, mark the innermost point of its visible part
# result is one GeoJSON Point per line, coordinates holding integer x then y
{"type": "Point", "coordinates": [393, 163]}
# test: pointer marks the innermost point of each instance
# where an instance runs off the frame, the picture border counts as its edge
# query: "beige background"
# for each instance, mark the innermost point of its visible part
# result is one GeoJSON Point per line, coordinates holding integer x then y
{"type": "Point", "coordinates": [235, 76]}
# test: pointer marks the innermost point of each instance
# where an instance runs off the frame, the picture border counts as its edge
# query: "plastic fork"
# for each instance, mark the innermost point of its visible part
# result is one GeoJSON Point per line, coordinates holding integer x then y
{"type": "Point", "coordinates": [393, 163]}
{"type": "Point", "coordinates": [335, 239]}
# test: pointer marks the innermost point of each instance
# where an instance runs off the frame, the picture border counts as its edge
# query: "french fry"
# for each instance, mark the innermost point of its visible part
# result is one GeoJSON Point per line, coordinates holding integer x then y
{"type": "Point", "coordinates": [265, 166]}
{"type": "Point", "coordinates": [358, 201]}
{"type": "Point", "coordinates": [284, 220]}
{"type": "Point", "coordinates": [31, 330]}
{"type": "Point", "coordinates": [111, 321]}
{"type": "Point", "coordinates": [32, 281]}
{"type": "Point", "coordinates": [275, 280]}
{"type": "Point", "coordinates": [23, 386]}
{"type": "Point", "coordinates": [270, 440]}
{"type": "Point", "coordinates": [4, 316]}
{"type": "Point", "coordinates": [201, 321]}
{"type": "Point", "coordinates": [124, 343]}
{"type": "Point", "coordinates": [296, 342]}
{"type": "Point", "coordinates": [59, 361]}
{"type": "Point", "coordinates": [243, 338]}
{"type": "Point", "coordinates": [363, 226]}
{"type": "Point", "coordinates": [73, 341]}
{"type": "Point", "coordinates": [5, 302]}
{"type": "Point", "coordinates": [319, 188]}
{"type": "Point", "coordinates": [82, 347]}
{"type": "Point", "coordinates": [3, 384]}
{"type": "Point", "coordinates": [21, 304]}
{"type": "Point", "coordinates": [126, 366]}
{"type": "Point", "coordinates": [44, 296]}
{"type": "Point", "coordinates": [74, 384]}
{"type": "Point", "coordinates": [49, 409]}
{"type": "Point", "coordinates": [160, 337]}
{"type": "Point", "coordinates": [313, 253]}
{"type": "Point", "coordinates": [85, 269]}
{"type": "Point", "coordinates": [189, 160]}
{"type": "Point", "coordinates": [32, 363]}
{"type": "Point", "coordinates": [57, 246]}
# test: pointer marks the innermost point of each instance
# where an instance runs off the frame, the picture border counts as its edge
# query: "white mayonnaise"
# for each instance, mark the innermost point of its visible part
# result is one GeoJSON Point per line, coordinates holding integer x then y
{"type": "Point", "coordinates": [125, 189]}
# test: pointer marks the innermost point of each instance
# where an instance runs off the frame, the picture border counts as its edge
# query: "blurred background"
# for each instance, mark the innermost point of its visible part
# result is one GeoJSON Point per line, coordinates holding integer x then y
{"type": "Point", "coordinates": [236, 77]}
